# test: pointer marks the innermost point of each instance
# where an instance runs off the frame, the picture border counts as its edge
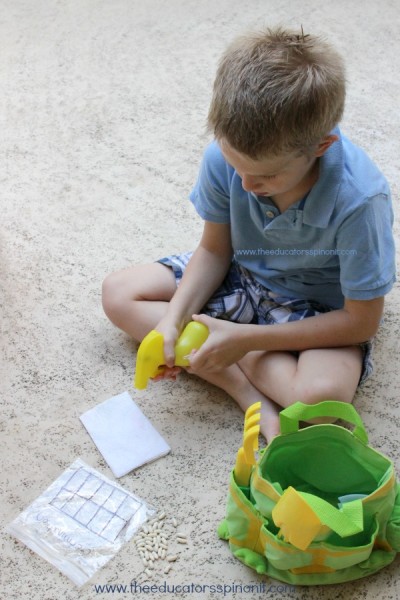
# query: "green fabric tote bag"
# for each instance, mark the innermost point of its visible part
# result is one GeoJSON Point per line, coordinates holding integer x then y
{"type": "Point", "coordinates": [320, 506]}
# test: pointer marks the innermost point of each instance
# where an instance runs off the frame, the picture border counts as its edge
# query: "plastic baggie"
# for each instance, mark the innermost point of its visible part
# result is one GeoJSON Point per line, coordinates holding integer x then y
{"type": "Point", "coordinates": [80, 522]}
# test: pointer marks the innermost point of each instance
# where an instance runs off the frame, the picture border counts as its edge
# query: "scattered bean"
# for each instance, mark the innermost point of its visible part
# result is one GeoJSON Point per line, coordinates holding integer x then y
{"type": "Point", "coordinates": [172, 557]}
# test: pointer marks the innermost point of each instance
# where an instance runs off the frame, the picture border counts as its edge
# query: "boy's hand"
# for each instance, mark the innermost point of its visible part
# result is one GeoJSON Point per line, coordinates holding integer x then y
{"type": "Point", "coordinates": [170, 332]}
{"type": "Point", "coordinates": [226, 344]}
{"type": "Point", "coordinates": [169, 373]}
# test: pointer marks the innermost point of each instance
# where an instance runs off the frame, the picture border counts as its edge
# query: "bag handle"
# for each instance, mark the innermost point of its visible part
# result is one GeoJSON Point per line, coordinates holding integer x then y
{"type": "Point", "coordinates": [290, 416]}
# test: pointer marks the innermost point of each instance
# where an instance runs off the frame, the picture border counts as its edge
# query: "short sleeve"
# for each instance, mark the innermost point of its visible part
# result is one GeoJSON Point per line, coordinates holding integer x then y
{"type": "Point", "coordinates": [366, 250]}
{"type": "Point", "coordinates": [211, 194]}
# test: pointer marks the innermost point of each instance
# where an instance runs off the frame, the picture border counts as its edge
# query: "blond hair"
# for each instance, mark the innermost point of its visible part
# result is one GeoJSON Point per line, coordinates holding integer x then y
{"type": "Point", "coordinates": [277, 91]}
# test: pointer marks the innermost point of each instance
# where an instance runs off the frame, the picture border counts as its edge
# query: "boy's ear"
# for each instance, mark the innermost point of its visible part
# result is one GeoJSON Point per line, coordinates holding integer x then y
{"type": "Point", "coordinates": [325, 144]}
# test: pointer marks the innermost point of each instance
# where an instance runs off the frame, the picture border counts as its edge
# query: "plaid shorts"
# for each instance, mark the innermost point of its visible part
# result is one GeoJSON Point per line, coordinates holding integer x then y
{"type": "Point", "coordinates": [242, 299]}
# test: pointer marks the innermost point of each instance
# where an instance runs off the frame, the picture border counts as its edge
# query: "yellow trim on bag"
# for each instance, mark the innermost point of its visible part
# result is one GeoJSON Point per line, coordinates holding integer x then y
{"type": "Point", "coordinates": [264, 487]}
{"type": "Point", "coordinates": [381, 544]}
{"type": "Point", "coordinates": [382, 491]}
{"type": "Point", "coordinates": [310, 569]}
{"type": "Point", "coordinates": [319, 556]}
{"type": "Point", "coordinates": [252, 538]}
{"type": "Point", "coordinates": [267, 539]}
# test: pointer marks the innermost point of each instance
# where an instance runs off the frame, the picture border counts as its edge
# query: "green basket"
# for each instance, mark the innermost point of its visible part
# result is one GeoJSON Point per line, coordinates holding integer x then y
{"type": "Point", "coordinates": [321, 507]}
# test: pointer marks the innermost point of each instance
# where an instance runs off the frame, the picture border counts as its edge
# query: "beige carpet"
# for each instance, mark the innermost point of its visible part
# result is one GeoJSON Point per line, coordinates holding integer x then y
{"type": "Point", "coordinates": [103, 105]}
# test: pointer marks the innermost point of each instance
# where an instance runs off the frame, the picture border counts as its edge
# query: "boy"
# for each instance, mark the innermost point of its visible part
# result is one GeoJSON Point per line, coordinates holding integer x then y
{"type": "Point", "coordinates": [297, 234]}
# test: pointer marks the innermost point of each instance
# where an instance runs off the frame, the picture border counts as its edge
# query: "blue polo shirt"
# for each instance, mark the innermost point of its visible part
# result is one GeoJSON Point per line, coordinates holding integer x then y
{"type": "Point", "coordinates": [336, 242]}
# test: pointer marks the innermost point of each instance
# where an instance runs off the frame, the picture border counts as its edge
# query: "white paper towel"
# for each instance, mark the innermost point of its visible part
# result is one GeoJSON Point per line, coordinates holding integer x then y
{"type": "Point", "coordinates": [123, 435]}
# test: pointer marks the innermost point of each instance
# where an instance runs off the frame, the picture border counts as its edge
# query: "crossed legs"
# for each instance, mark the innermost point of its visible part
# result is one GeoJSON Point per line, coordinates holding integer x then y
{"type": "Point", "coordinates": [135, 300]}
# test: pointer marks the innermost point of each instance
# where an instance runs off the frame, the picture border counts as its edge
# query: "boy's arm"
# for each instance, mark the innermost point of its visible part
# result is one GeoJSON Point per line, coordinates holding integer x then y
{"type": "Point", "coordinates": [204, 273]}
{"type": "Point", "coordinates": [355, 323]}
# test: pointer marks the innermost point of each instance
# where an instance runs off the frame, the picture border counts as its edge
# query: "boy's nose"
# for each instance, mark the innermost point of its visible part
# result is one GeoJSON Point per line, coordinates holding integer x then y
{"type": "Point", "coordinates": [250, 184]}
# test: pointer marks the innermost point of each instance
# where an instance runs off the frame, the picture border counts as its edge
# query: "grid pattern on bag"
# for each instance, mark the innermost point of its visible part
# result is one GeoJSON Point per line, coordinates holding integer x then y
{"type": "Point", "coordinates": [96, 505]}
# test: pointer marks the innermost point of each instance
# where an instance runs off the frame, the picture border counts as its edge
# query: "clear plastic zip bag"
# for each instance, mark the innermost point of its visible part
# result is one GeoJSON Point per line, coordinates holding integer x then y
{"type": "Point", "coordinates": [80, 522]}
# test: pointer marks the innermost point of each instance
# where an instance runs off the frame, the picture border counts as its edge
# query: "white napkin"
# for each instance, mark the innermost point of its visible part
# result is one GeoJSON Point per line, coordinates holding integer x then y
{"type": "Point", "coordinates": [123, 435]}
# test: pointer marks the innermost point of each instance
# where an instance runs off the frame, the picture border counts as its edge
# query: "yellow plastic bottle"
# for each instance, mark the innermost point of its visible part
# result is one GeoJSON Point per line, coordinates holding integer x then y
{"type": "Point", "coordinates": [192, 337]}
{"type": "Point", "coordinates": [150, 356]}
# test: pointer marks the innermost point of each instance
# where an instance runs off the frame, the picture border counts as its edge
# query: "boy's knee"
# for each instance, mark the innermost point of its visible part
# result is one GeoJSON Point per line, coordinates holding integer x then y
{"type": "Point", "coordinates": [111, 294]}
{"type": "Point", "coordinates": [319, 390]}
